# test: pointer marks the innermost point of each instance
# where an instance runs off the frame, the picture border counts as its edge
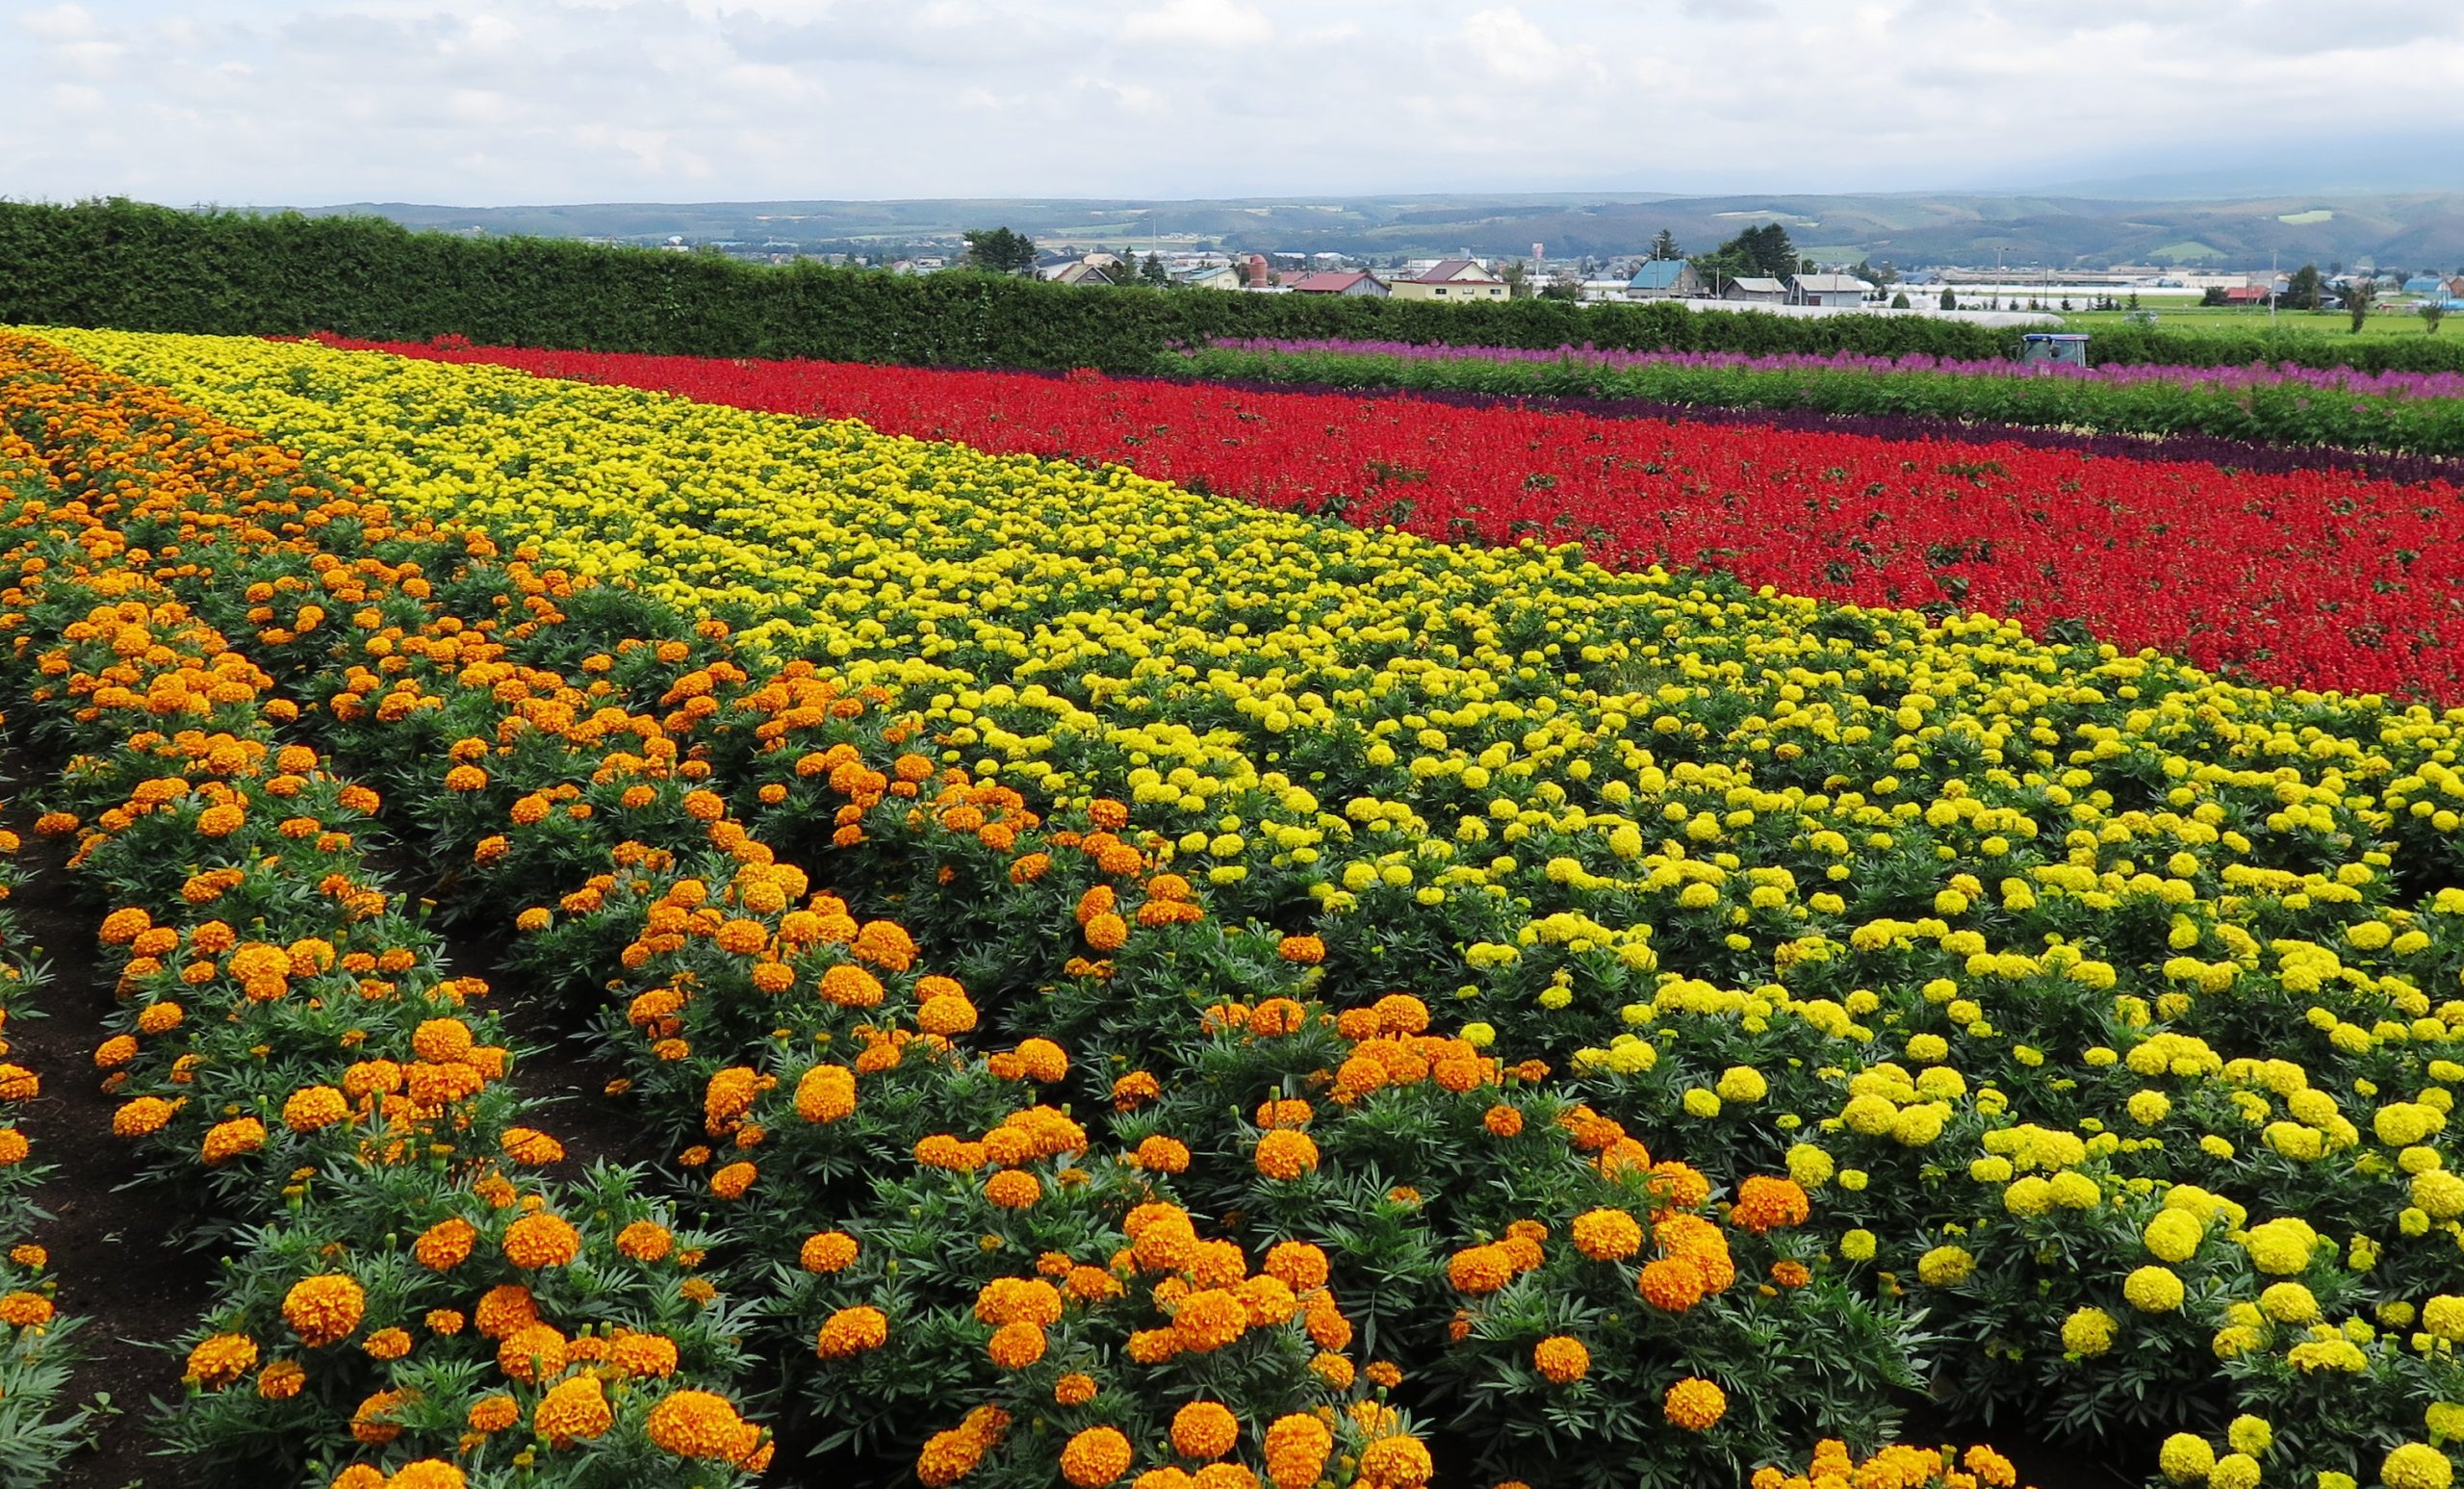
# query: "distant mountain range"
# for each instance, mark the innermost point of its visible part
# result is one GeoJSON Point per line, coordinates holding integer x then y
{"type": "Point", "coordinates": [2409, 229]}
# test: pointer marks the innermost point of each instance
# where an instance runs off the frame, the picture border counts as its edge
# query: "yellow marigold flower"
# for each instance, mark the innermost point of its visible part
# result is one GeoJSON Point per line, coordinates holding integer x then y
{"type": "Point", "coordinates": [2153, 1289]}
{"type": "Point", "coordinates": [2088, 1332]}
{"type": "Point", "coordinates": [1945, 1265]}
{"type": "Point", "coordinates": [2186, 1459]}
{"type": "Point", "coordinates": [2417, 1466]}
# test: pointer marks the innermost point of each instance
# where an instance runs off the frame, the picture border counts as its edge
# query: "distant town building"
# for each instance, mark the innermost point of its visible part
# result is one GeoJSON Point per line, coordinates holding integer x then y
{"type": "Point", "coordinates": [1075, 271]}
{"type": "Point", "coordinates": [1837, 290]}
{"type": "Point", "coordinates": [1754, 290]}
{"type": "Point", "coordinates": [1211, 276]}
{"type": "Point", "coordinates": [1354, 282]}
{"type": "Point", "coordinates": [1452, 280]}
{"type": "Point", "coordinates": [1664, 279]}
{"type": "Point", "coordinates": [2246, 294]}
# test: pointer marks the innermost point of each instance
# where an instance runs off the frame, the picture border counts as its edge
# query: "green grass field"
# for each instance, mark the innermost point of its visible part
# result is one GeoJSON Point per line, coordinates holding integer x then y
{"type": "Point", "coordinates": [2397, 320]}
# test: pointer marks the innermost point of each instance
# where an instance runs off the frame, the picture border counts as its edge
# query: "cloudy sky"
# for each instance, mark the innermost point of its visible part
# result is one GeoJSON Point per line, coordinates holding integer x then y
{"type": "Point", "coordinates": [502, 102]}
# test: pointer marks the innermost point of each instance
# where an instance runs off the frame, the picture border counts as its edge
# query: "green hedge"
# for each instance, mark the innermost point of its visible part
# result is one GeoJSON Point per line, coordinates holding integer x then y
{"type": "Point", "coordinates": [143, 268]}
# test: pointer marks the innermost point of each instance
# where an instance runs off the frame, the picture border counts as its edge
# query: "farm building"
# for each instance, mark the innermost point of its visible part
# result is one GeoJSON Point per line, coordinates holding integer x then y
{"type": "Point", "coordinates": [1452, 280]}
{"type": "Point", "coordinates": [1352, 282]}
{"type": "Point", "coordinates": [1664, 279]}
{"type": "Point", "coordinates": [1754, 290]}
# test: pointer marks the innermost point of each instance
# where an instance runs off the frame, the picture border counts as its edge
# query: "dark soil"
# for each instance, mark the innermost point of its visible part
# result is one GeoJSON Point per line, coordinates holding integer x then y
{"type": "Point", "coordinates": [116, 1251]}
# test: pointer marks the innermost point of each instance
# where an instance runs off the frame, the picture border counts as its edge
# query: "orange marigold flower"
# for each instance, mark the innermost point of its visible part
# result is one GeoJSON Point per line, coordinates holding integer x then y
{"type": "Point", "coordinates": [1012, 1188]}
{"type": "Point", "coordinates": [885, 943]}
{"type": "Point", "coordinates": [1673, 1283]}
{"type": "Point", "coordinates": [1790, 1273]}
{"type": "Point", "coordinates": [1286, 1154]}
{"type": "Point", "coordinates": [574, 1408]}
{"type": "Point", "coordinates": [1208, 1320]}
{"type": "Point", "coordinates": [731, 1181]}
{"type": "Point", "coordinates": [699, 1424]}
{"type": "Point", "coordinates": [1302, 950]}
{"type": "Point", "coordinates": [447, 1322]}
{"type": "Point", "coordinates": [1160, 1154]}
{"type": "Point", "coordinates": [1562, 1359]}
{"type": "Point", "coordinates": [826, 1094]}
{"type": "Point", "coordinates": [1394, 1462]}
{"type": "Point", "coordinates": [541, 1240]}
{"type": "Point", "coordinates": [529, 1145]}
{"type": "Point", "coordinates": [1296, 1450]}
{"type": "Point", "coordinates": [852, 1331]}
{"type": "Point", "coordinates": [1015, 1345]}
{"type": "Point", "coordinates": [532, 1352]}
{"type": "Point", "coordinates": [1096, 1457]}
{"type": "Point", "coordinates": [444, 1244]}
{"type": "Point", "coordinates": [1607, 1235]}
{"type": "Point", "coordinates": [1694, 1405]}
{"type": "Point", "coordinates": [1298, 1265]}
{"type": "Point", "coordinates": [216, 1362]}
{"type": "Point", "coordinates": [645, 1357]}
{"type": "Point", "coordinates": [1482, 1269]}
{"type": "Point", "coordinates": [645, 1241]}
{"type": "Point", "coordinates": [1765, 1203]}
{"type": "Point", "coordinates": [314, 1108]}
{"type": "Point", "coordinates": [1204, 1429]}
{"type": "Point", "coordinates": [281, 1381]}
{"type": "Point", "coordinates": [1073, 1390]}
{"type": "Point", "coordinates": [829, 1251]}
{"type": "Point", "coordinates": [504, 1308]}
{"type": "Point", "coordinates": [372, 1423]}
{"type": "Point", "coordinates": [231, 1138]}
{"type": "Point", "coordinates": [387, 1344]}
{"type": "Point", "coordinates": [324, 1309]}
{"type": "Point", "coordinates": [493, 1414]}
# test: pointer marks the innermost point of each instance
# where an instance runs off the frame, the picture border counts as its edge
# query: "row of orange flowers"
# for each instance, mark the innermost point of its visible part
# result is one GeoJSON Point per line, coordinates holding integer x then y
{"type": "Point", "coordinates": [39, 1431]}
{"type": "Point", "coordinates": [292, 1045]}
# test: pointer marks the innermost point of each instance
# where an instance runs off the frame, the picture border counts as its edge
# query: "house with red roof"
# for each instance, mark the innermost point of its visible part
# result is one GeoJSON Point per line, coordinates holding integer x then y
{"type": "Point", "coordinates": [1354, 282]}
{"type": "Point", "coordinates": [1453, 281]}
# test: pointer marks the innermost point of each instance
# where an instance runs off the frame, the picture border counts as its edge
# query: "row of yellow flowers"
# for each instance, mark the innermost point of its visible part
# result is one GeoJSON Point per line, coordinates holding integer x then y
{"type": "Point", "coordinates": [2048, 940]}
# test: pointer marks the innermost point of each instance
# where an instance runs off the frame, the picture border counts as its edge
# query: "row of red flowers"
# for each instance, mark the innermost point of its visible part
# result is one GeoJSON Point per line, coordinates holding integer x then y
{"type": "Point", "coordinates": [2307, 579]}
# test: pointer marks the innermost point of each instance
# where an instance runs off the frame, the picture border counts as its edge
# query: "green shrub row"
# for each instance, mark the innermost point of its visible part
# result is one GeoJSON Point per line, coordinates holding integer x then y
{"type": "Point", "coordinates": [143, 267]}
{"type": "Point", "coordinates": [2290, 412]}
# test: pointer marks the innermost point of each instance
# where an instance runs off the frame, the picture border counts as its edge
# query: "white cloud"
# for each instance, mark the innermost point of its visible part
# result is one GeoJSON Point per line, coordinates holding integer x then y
{"type": "Point", "coordinates": [496, 101]}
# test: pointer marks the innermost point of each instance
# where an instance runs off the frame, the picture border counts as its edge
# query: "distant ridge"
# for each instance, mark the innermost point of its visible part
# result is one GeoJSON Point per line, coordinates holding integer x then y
{"type": "Point", "coordinates": [2417, 229]}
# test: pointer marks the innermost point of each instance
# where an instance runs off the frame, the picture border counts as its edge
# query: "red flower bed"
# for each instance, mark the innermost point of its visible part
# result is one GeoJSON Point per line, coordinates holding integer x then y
{"type": "Point", "coordinates": [2310, 578]}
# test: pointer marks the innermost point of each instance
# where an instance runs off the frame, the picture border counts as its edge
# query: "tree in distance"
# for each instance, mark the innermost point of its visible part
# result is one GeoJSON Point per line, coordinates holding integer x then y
{"type": "Point", "coordinates": [2359, 296]}
{"type": "Point", "coordinates": [2433, 312]}
{"type": "Point", "coordinates": [1664, 247]}
{"type": "Point", "coordinates": [1000, 251]}
{"type": "Point", "coordinates": [1950, 301]}
{"type": "Point", "coordinates": [2303, 292]}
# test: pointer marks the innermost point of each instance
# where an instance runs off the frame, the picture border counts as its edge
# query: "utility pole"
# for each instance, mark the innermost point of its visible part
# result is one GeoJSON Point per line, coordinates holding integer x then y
{"type": "Point", "coordinates": [2271, 253]}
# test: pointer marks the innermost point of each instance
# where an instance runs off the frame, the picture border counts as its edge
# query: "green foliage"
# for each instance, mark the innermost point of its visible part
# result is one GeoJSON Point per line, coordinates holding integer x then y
{"type": "Point", "coordinates": [143, 267]}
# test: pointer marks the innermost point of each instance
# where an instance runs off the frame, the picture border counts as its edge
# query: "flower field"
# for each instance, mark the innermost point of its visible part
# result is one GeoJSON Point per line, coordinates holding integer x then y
{"type": "Point", "coordinates": [1117, 984]}
{"type": "Point", "coordinates": [2421, 413]}
{"type": "Point", "coordinates": [2312, 578]}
